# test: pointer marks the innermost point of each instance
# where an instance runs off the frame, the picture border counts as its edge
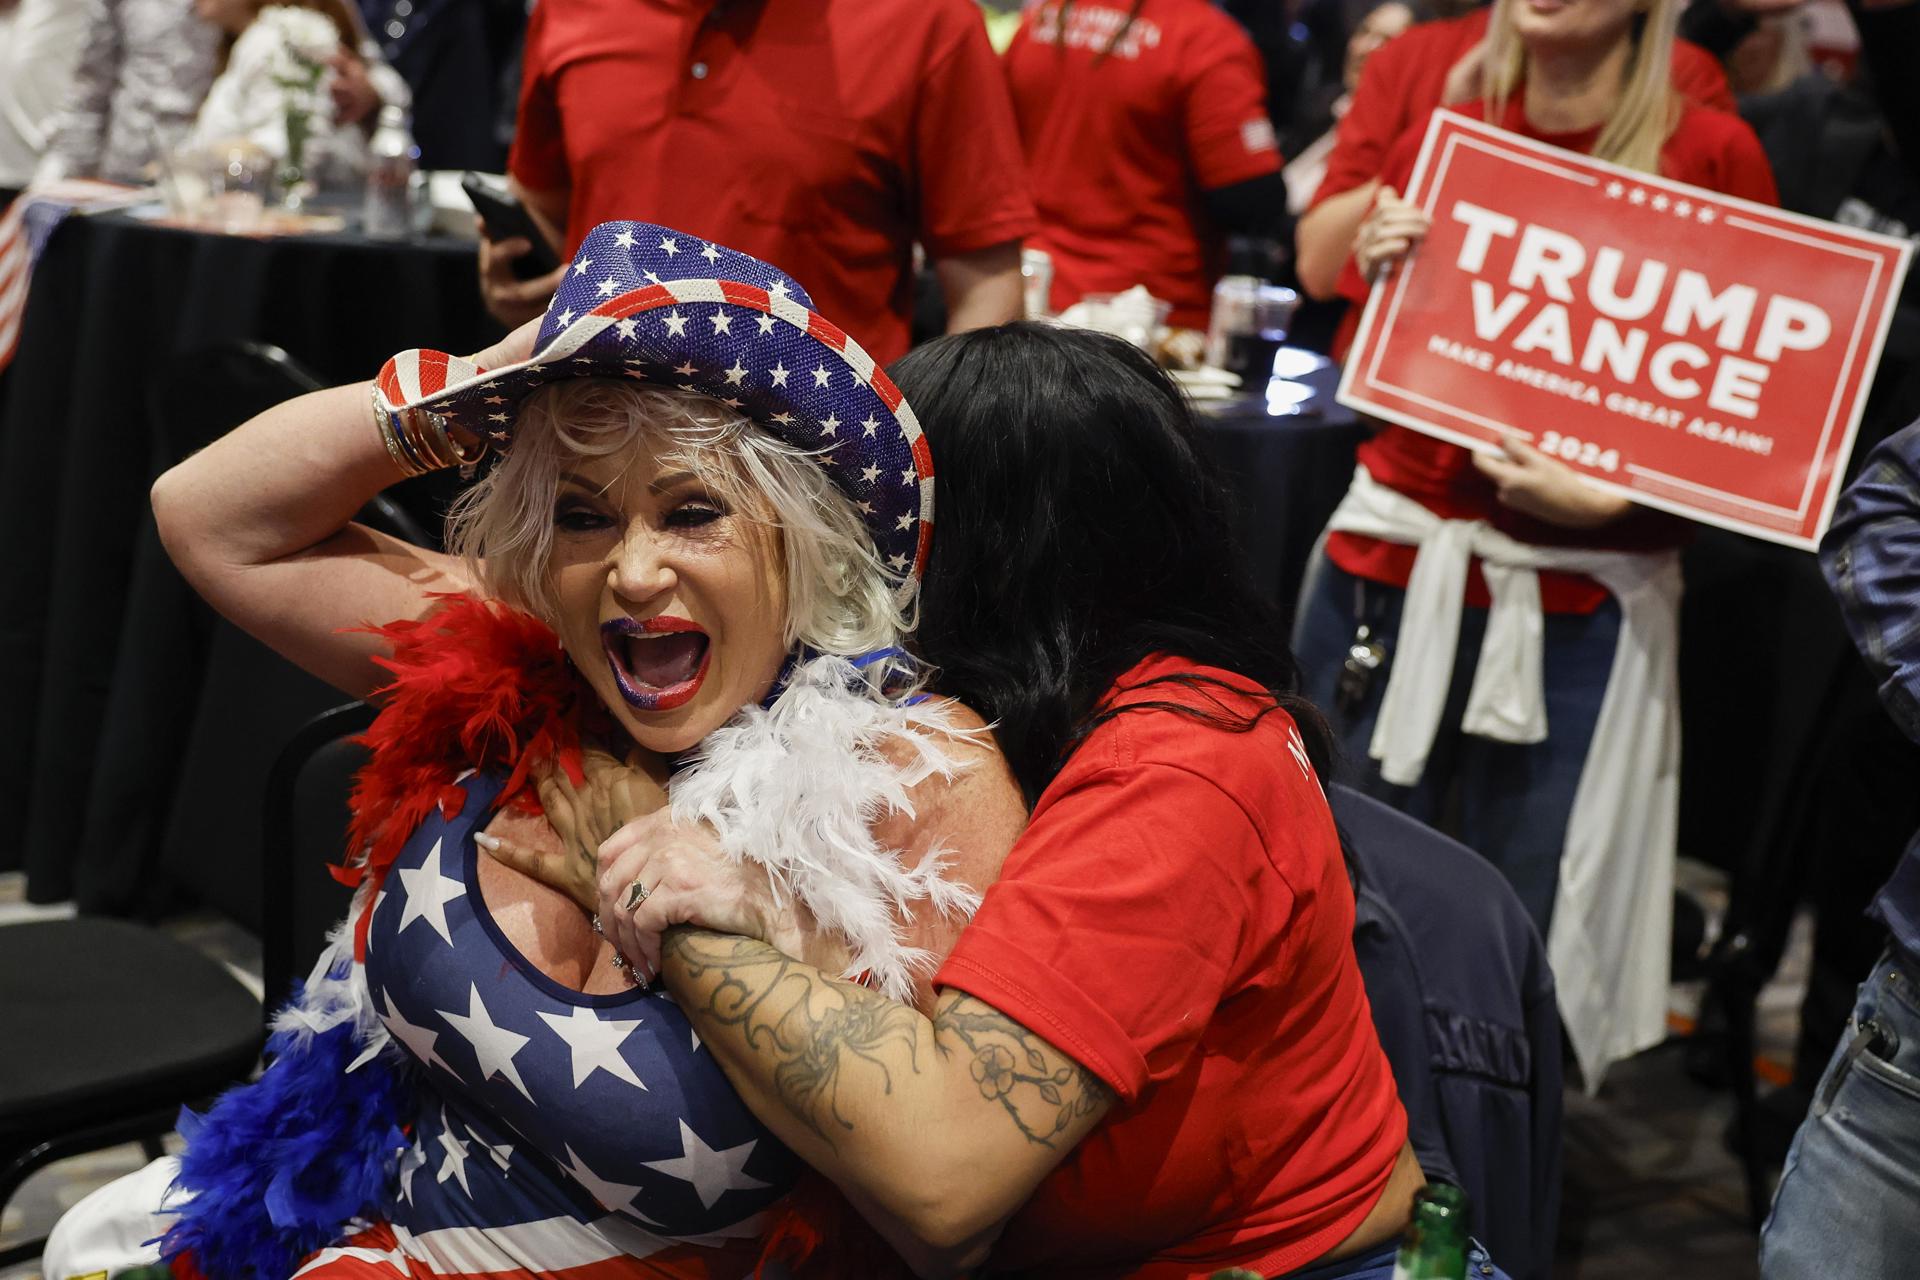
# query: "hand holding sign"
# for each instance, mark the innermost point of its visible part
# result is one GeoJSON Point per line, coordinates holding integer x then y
{"type": "Point", "coordinates": [1389, 231]}
{"type": "Point", "coordinates": [1547, 489]}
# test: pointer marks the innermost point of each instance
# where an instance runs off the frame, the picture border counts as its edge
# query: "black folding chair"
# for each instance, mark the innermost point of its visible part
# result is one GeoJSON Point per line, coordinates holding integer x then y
{"type": "Point", "coordinates": [112, 1026]}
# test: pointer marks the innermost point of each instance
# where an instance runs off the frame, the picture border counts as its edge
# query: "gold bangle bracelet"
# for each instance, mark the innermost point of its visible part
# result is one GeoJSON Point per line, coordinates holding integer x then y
{"type": "Point", "coordinates": [404, 457]}
{"type": "Point", "coordinates": [462, 457]}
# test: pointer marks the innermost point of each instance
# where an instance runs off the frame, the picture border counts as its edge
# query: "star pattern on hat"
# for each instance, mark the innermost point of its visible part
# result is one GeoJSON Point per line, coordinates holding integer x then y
{"type": "Point", "coordinates": [659, 306]}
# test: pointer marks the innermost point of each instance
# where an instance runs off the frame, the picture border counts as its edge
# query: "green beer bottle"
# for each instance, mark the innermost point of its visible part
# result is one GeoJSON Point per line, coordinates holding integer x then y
{"type": "Point", "coordinates": [1436, 1243]}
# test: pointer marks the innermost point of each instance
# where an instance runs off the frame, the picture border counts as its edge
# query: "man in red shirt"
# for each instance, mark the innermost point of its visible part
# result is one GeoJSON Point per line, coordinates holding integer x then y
{"type": "Point", "coordinates": [825, 136]}
{"type": "Point", "coordinates": [1145, 126]}
{"type": "Point", "coordinates": [1430, 65]}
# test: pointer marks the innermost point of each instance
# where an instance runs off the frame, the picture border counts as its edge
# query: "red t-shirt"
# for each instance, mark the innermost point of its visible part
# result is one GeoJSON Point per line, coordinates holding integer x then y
{"type": "Point", "coordinates": [1404, 78]}
{"type": "Point", "coordinates": [824, 136]}
{"type": "Point", "coordinates": [1177, 917]}
{"type": "Point", "coordinates": [1122, 143]}
{"type": "Point", "coordinates": [1708, 148]}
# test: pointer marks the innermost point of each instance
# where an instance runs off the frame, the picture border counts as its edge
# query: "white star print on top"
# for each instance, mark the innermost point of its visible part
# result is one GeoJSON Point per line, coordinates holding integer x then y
{"type": "Point", "coordinates": [428, 893]}
{"type": "Point", "coordinates": [455, 1164]}
{"type": "Point", "coordinates": [419, 1040]}
{"type": "Point", "coordinates": [617, 1196]}
{"type": "Point", "coordinates": [712, 1173]}
{"type": "Point", "coordinates": [595, 1044]}
{"type": "Point", "coordinates": [493, 1046]}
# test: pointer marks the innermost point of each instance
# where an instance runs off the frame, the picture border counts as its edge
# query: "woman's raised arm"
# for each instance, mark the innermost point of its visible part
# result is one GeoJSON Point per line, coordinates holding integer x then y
{"type": "Point", "coordinates": [260, 522]}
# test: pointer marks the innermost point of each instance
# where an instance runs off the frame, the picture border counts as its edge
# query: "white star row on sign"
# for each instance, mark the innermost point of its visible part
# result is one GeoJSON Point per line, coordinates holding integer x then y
{"type": "Point", "coordinates": [1660, 202]}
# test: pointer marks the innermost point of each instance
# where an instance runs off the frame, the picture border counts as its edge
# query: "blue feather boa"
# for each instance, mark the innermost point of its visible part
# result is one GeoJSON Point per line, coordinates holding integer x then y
{"type": "Point", "coordinates": [278, 1168]}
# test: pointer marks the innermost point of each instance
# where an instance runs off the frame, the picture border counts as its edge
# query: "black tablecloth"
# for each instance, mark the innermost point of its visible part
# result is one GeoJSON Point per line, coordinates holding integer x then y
{"type": "Point", "coordinates": [1289, 471]}
{"type": "Point", "coordinates": [114, 302]}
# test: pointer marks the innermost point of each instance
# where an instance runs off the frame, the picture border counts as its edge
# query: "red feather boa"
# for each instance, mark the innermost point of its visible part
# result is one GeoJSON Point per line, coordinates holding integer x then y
{"type": "Point", "coordinates": [476, 686]}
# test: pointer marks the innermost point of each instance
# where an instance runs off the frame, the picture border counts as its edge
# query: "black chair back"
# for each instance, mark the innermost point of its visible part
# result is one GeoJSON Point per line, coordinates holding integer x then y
{"type": "Point", "coordinates": [305, 826]}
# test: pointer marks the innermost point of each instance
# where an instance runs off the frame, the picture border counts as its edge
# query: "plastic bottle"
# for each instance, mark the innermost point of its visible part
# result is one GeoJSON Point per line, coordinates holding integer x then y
{"type": "Point", "coordinates": [388, 211]}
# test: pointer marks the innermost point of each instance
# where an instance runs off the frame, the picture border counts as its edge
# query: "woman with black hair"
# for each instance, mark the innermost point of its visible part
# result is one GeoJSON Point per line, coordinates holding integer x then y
{"type": "Point", "coordinates": [1151, 1053]}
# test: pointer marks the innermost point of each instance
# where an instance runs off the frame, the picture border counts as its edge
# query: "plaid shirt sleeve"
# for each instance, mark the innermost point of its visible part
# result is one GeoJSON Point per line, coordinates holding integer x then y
{"type": "Point", "coordinates": [1871, 557]}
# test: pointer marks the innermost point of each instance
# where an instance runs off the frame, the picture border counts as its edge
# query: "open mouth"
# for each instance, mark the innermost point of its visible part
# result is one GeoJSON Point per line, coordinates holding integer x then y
{"type": "Point", "coordinates": [658, 663]}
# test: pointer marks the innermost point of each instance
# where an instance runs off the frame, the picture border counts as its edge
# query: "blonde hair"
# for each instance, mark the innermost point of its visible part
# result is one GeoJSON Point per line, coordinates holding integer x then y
{"type": "Point", "coordinates": [839, 596]}
{"type": "Point", "coordinates": [1647, 110]}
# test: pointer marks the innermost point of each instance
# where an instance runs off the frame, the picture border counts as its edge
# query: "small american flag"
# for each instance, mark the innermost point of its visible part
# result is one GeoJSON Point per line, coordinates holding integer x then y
{"type": "Point", "coordinates": [24, 231]}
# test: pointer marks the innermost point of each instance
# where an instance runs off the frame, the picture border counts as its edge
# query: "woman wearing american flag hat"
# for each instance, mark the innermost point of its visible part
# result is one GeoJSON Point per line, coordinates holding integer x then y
{"type": "Point", "coordinates": [682, 581]}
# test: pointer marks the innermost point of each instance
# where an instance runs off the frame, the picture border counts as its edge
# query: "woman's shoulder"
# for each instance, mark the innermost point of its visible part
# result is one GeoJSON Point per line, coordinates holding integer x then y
{"type": "Point", "coordinates": [1173, 712]}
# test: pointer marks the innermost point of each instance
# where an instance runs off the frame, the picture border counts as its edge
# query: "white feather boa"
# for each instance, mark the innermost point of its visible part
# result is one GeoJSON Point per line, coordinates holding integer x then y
{"type": "Point", "coordinates": [798, 787]}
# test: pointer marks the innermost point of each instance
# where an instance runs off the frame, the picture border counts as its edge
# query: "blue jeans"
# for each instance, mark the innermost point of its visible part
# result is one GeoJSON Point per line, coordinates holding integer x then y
{"type": "Point", "coordinates": [1507, 802]}
{"type": "Point", "coordinates": [1378, 1265]}
{"type": "Point", "coordinates": [1849, 1201]}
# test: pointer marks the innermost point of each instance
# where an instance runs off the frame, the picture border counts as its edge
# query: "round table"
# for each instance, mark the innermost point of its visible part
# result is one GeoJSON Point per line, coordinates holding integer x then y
{"type": "Point", "coordinates": [115, 303]}
{"type": "Point", "coordinates": [1288, 454]}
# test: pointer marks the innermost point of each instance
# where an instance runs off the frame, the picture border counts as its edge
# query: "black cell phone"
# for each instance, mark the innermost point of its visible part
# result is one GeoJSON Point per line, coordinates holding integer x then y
{"type": "Point", "coordinates": [505, 217]}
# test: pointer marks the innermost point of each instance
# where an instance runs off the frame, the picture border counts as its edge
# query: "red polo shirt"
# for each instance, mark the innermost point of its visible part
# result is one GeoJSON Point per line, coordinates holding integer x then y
{"type": "Point", "coordinates": [1405, 77]}
{"type": "Point", "coordinates": [1177, 918]}
{"type": "Point", "coordinates": [824, 136]}
{"type": "Point", "coordinates": [1122, 140]}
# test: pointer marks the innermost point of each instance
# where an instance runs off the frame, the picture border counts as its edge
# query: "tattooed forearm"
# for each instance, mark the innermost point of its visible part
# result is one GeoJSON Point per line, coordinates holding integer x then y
{"type": "Point", "coordinates": [812, 1031]}
{"type": "Point", "coordinates": [1041, 1090]}
{"type": "Point", "coordinates": [864, 1074]}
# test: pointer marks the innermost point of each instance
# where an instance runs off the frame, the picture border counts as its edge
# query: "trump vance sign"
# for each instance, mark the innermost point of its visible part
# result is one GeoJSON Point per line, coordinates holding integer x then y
{"type": "Point", "coordinates": [1695, 352]}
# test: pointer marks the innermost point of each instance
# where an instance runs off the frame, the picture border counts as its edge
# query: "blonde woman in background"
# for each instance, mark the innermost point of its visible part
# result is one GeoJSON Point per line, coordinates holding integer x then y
{"type": "Point", "coordinates": [1506, 738]}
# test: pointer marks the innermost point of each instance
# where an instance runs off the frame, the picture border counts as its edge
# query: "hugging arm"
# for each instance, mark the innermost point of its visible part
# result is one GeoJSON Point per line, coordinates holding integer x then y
{"type": "Point", "coordinates": [939, 1126]}
{"type": "Point", "coordinates": [936, 1118]}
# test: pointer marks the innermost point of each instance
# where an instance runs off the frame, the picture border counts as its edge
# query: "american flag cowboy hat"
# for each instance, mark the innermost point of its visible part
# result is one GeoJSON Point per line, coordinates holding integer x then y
{"type": "Point", "coordinates": [672, 310]}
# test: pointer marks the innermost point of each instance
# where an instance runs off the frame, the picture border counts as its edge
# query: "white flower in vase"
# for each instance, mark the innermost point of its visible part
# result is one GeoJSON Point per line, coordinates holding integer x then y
{"type": "Point", "coordinates": [307, 39]}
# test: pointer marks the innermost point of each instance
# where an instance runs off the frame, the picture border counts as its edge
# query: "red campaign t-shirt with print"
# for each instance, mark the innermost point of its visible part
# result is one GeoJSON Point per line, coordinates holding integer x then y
{"type": "Point", "coordinates": [1709, 149]}
{"type": "Point", "coordinates": [1177, 917]}
{"type": "Point", "coordinates": [1124, 126]}
{"type": "Point", "coordinates": [1405, 78]}
{"type": "Point", "coordinates": [823, 136]}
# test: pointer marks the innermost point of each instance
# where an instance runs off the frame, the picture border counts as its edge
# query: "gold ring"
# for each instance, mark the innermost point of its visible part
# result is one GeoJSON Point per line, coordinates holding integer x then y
{"type": "Point", "coordinates": [636, 894]}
